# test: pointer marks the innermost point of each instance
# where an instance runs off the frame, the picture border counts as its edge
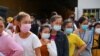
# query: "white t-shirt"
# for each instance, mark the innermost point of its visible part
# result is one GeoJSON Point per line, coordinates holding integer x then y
{"type": "Point", "coordinates": [28, 44]}
{"type": "Point", "coordinates": [52, 48]}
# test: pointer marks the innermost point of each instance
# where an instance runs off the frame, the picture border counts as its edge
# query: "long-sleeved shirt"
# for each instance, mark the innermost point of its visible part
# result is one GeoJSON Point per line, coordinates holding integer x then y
{"type": "Point", "coordinates": [62, 44]}
{"type": "Point", "coordinates": [8, 46]}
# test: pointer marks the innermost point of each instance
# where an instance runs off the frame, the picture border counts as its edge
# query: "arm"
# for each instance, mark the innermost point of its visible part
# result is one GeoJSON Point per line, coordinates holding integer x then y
{"type": "Point", "coordinates": [80, 44]}
{"type": "Point", "coordinates": [81, 49]}
{"type": "Point", "coordinates": [17, 49]}
{"type": "Point", "coordinates": [37, 52]}
{"type": "Point", "coordinates": [52, 49]}
{"type": "Point", "coordinates": [90, 40]}
{"type": "Point", "coordinates": [36, 45]}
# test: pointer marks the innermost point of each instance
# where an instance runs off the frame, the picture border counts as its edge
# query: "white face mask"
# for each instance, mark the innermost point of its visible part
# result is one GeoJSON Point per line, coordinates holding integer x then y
{"type": "Point", "coordinates": [97, 30]}
{"type": "Point", "coordinates": [45, 35]}
{"type": "Point", "coordinates": [57, 27]}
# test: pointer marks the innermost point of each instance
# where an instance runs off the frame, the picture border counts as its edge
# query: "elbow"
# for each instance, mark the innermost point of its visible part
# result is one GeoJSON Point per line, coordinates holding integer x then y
{"type": "Point", "coordinates": [85, 45]}
{"type": "Point", "coordinates": [21, 50]}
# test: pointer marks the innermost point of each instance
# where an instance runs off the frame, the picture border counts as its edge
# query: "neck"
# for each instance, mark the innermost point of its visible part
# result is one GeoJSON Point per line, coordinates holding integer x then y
{"type": "Point", "coordinates": [24, 35]}
{"type": "Point", "coordinates": [97, 34]}
{"type": "Point", "coordinates": [45, 41]}
{"type": "Point", "coordinates": [53, 32]}
{"type": "Point", "coordinates": [42, 39]}
{"type": "Point", "coordinates": [81, 30]}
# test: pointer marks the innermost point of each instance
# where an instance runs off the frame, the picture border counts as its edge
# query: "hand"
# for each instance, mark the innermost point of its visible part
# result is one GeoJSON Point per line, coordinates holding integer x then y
{"type": "Point", "coordinates": [77, 54]}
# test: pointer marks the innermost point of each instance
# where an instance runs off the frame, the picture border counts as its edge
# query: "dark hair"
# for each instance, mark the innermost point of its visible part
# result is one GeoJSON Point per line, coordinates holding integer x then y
{"type": "Point", "coordinates": [54, 17]}
{"type": "Point", "coordinates": [81, 20]}
{"type": "Point", "coordinates": [54, 13]}
{"type": "Point", "coordinates": [98, 23]}
{"type": "Point", "coordinates": [41, 29]}
{"type": "Point", "coordinates": [19, 17]}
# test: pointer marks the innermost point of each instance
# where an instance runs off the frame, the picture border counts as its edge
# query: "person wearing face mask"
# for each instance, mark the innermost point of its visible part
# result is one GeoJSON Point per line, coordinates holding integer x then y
{"type": "Point", "coordinates": [58, 36]}
{"type": "Point", "coordinates": [8, 47]}
{"type": "Point", "coordinates": [28, 40]}
{"type": "Point", "coordinates": [96, 40]}
{"type": "Point", "coordinates": [74, 40]}
{"type": "Point", "coordinates": [9, 28]}
{"type": "Point", "coordinates": [48, 47]}
{"type": "Point", "coordinates": [85, 35]}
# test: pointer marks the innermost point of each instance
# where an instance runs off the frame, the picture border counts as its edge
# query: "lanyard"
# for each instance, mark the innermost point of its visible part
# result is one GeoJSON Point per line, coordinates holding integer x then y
{"type": "Point", "coordinates": [82, 35]}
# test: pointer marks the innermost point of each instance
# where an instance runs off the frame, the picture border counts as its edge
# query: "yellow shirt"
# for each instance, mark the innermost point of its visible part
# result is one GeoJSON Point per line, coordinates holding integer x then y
{"type": "Point", "coordinates": [95, 52]}
{"type": "Point", "coordinates": [74, 41]}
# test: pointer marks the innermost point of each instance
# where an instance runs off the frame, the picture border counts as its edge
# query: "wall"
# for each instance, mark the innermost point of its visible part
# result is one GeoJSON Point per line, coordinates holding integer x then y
{"type": "Point", "coordinates": [87, 4]}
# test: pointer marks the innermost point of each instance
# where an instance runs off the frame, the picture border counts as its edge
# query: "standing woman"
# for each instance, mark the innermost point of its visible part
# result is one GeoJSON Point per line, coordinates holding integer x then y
{"type": "Point", "coordinates": [74, 40]}
{"type": "Point", "coordinates": [8, 47]}
{"type": "Point", "coordinates": [28, 40]}
{"type": "Point", "coordinates": [85, 35]}
{"type": "Point", "coordinates": [96, 40]}
{"type": "Point", "coordinates": [58, 36]}
{"type": "Point", "coordinates": [48, 46]}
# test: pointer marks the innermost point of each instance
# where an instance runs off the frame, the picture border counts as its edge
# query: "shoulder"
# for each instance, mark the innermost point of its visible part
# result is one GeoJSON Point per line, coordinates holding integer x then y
{"type": "Point", "coordinates": [60, 33]}
{"type": "Point", "coordinates": [33, 36]}
{"type": "Point", "coordinates": [74, 36]}
{"type": "Point", "coordinates": [7, 37]}
{"type": "Point", "coordinates": [76, 31]}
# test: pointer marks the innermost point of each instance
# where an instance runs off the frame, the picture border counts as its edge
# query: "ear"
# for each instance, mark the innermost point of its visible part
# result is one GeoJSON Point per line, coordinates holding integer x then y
{"type": "Point", "coordinates": [51, 24]}
{"type": "Point", "coordinates": [19, 24]}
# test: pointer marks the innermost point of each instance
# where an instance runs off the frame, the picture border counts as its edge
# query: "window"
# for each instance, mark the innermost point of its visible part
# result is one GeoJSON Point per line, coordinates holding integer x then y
{"type": "Point", "coordinates": [95, 12]}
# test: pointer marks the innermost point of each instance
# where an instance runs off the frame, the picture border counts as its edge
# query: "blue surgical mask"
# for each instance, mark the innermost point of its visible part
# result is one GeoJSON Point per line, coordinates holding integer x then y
{"type": "Point", "coordinates": [45, 35]}
{"type": "Point", "coordinates": [84, 27]}
{"type": "Point", "coordinates": [68, 30]}
{"type": "Point", "coordinates": [57, 27]}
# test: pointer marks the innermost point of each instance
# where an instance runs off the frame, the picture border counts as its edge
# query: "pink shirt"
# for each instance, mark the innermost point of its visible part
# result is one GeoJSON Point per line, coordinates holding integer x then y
{"type": "Point", "coordinates": [9, 47]}
{"type": "Point", "coordinates": [53, 37]}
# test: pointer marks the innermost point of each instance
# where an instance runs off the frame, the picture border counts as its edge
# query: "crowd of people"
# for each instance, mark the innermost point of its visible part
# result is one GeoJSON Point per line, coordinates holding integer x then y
{"type": "Point", "coordinates": [57, 37]}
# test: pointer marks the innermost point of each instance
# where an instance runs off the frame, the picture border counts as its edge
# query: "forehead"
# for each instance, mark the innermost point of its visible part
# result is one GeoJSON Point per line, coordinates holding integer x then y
{"type": "Point", "coordinates": [58, 20]}
{"type": "Point", "coordinates": [98, 25]}
{"type": "Point", "coordinates": [69, 24]}
{"type": "Point", "coordinates": [86, 21]}
{"type": "Point", "coordinates": [46, 30]}
{"type": "Point", "coordinates": [1, 22]}
{"type": "Point", "coordinates": [27, 18]}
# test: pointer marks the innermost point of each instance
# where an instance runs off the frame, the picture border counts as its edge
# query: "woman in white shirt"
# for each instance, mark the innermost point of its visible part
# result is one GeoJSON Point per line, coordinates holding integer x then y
{"type": "Point", "coordinates": [28, 40]}
{"type": "Point", "coordinates": [48, 47]}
